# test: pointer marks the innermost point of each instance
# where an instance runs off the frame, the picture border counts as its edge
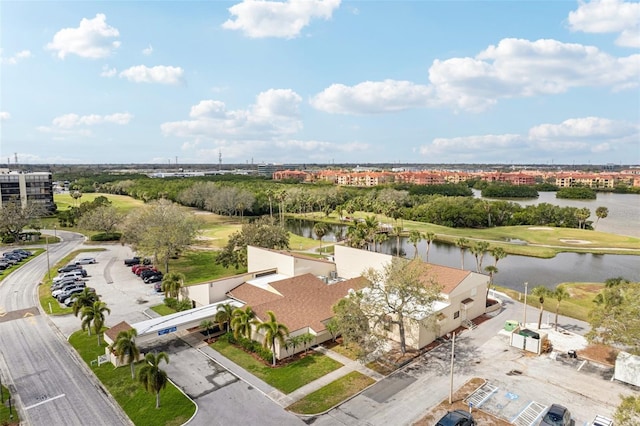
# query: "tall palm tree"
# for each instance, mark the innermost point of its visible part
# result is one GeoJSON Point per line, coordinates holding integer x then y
{"type": "Point", "coordinates": [207, 324]}
{"type": "Point", "coordinates": [379, 239]}
{"type": "Point", "coordinates": [462, 244]}
{"type": "Point", "coordinates": [152, 378]}
{"type": "Point", "coordinates": [541, 292]}
{"type": "Point", "coordinates": [224, 315]}
{"type": "Point", "coordinates": [560, 294]}
{"type": "Point", "coordinates": [86, 298]}
{"type": "Point", "coordinates": [415, 237]}
{"type": "Point", "coordinates": [320, 229]}
{"type": "Point", "coordinates": [397, 232]}
{"type": "Point", "coordinates": [497, 253]}
{"type": "Point", "coordinates": [371, 226]}
{"type": "Point", "coordinates": [273, 331]}
{"type": "Point", "coordinates": [601, 213]}
{"type": "Point", "coordinates": [270, 193]}
{"type": "Point", "coordinates": [126, 348]}
{"type": "Point", "coordinates": [94, 314]}
{"type": "Point", "coordinates": [478, 250]}
{"type": "Point", "coordinates": [429, 237]}
{"type": "Point", "coordinates": [281, 196]}
{"type": "Point", "coordinates": [241, 322]}
{"type": "Point", "coordinates": [491, 270]}
{"type": "Point", "coordinates": [172, 283]}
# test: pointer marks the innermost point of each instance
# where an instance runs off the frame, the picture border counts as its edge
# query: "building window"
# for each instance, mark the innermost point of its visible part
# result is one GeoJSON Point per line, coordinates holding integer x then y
{"type": "Point", "coordinates": [456, 314]}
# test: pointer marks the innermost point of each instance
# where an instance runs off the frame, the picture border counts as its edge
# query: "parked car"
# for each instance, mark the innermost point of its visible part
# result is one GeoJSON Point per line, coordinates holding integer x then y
{"type": "Point", "coordinates": [69, 292]}
{"type": "Point", "coordinates": [157, 286]}
{"type": "Point", "coordinates": [69, 268]}
{"type": "Point", "coordinates": [137, 260]}
{"type": "Point", "coordinates": [17, 256]}
{"type": "Point", "coordinates": [75, 274]}
{"type": "Point", "coordinates": [4, 265]}
{"type": "Point", "coordinates": [65, 289]}
{"type": "Point", "coordinates": [10, 260]}
{"type": "Point", "coordinates": [23, 251]}
{"type": "Point", "coordinates": [69, 300]}
{"type": "Point", "coordinates": [153, 278]}
{"type": "Point", "coordinates": [148, 272]}
{"type": "Point", "coordinates": [557, 415]}
{"type": "Point", "coordinates": [138, 269]}
{"type": "Point", "coordinates": [65, 282]}
{"type": "Point", "coordinates": [456, 418]}
{"type": "Point", "coordinates": [85, 261]}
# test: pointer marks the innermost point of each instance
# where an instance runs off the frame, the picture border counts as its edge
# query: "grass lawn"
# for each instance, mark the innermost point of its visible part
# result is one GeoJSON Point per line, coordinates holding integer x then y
{"type": "Point", "coordinates": [332, 394]}
{"type": "Point", "coordinates": [175, 408]}
{"type": "Point", "coordinates": [5, 417]}
{"type": "Point", "coordinates": [577, 306]}
{"type": "Point", "coordinates": [123, 203]}
{"type": "Point", "coordinates": [200, 266]}
{"type": "Point", "coordinates": [163, 310]}
{"type": "Point", "coordinates": [286, 378]}
{"type": "Point", "coordinates": [48, 302]}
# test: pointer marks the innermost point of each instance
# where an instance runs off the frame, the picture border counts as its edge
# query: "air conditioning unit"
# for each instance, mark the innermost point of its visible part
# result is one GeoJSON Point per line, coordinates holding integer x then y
{"type": "Point", "coordinates": [333, 275]}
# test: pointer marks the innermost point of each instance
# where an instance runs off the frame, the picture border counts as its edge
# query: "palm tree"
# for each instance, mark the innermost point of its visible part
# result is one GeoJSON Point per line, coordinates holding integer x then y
{"type": "Point", "coordinates": [371, 226]}
{"type": "Point", "coordinates": [270, 193]}
{"type": "Point", "coordinates": [224, 315]}
{"type": "Point", "coordinates": [397, 232]}
{"type": "Point", "coordinates": [207, 324]}
{"type": "Point", "coordinates": [306, 338]}
{"type": "Point", "coordinates": [281, 196]}
{"type": "Point", "coordinates": [542, 292]}
{"type": "Point", "coordinates": [94, 314]}
{"type": "Point", "coordinates": [462, 244]}
{"type": "Point", "coordinates": [415, 237]}
{"type": "Point", "coordinates": [126, 349]}
{"type": "Point", "coordinates": [151, 376]}
{"type": "Point", "coordinates": [560, 294]}
{"type": "Point", "coordinates": [172, 284]}
{"type": "Point", "coordinates": [273, 330]}
{"type": "Point", "coordinates": [491, 270]}
{"type": "Point", "coordinates": [294, 342]}
{"type": "Point", "coordinates": [86, 298]}
{"type": "Point", "coordinates": [601, 213]}
{"type": "Point", "coordinates": [429, 237]}
{"type": "Point", "coordinates": [582, 215]}
{"type": "Point", "coordinates": [478, 250]}
{"type": "Point", "coordinates": [241, 322]}
{"type": "Point", "coordinates": [320, 229]}
{"type": "Point", "coordinates": [497, 253]}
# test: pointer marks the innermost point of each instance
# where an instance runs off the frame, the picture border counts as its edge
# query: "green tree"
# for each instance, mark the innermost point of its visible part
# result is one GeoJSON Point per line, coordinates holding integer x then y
{"type": "Point", "coordinates": [161, 229]}
{"type": "Point", "coordinates": [478, 250]}
{"type": "Point", "coordinates": [14, 216]}
{"type": "Point", "coordinates": [334, 328]}
{"type": "Point", "coordinates": [397, 293]}
{"type": "Point", "coordinates": [415, 237]}
{"type": "Point", "coordinates": [628, 412]}
{"type": "Point", "coordinates": [462, 244]}
{"type": "Point", "coordinates": [85, 298]}
{"type": "Point", "coordinates": [320, 229]}
{"type": "Point", "coordinates": [126, 349]}
{"type": "Point", "coordinates": [601, 213]}
{"type": "Point", "coordinates": [172, 283]}
{"type": "Point", "coordinates": [224, 315]}
{"type": "Point", "coordinates": [241, 322]}
{"type": "Point", "coordinates": [94, 314]}
{"type": "Point", "coordinates": [497, 253]}
{"type": "Point", "coordinates": [397, 232]}
{"type": "Point", "coordinates": [491, 271]}
{"type": "Point", "coordinates": [541, 292]}
{"type": "Point", "coordinates": [151, 376]}
{"type": "Point", "coordinates": [560, 293]}
{"type": "Point", "coordinates": [273, 331]}
{"type": "Point", "coordinates": [429, 238]}
{"type": "Point", "coordinates": [270, 194]}
{"type": "Point", "coordinates": [294, 342]}
{"type": "Point", "coordinates": [207, 324]}
{"type": "Point", "coordinates": [104, 218]}
{"type": "Point", "coordinates": [306, 339]}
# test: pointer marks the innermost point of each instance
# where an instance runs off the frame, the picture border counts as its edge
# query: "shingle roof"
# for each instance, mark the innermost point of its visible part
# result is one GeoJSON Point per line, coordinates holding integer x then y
{"type": "Point", "coordinates": [448, 278]}
{"type": "Point", "coordinates": [305, 300]}
{"type": "Point", "coordinates": [112, 333]}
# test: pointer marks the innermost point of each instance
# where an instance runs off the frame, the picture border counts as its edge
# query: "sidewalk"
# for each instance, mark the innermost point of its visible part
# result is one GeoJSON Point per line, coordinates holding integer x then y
{"type": "Point", "coordinates": [282, 399]}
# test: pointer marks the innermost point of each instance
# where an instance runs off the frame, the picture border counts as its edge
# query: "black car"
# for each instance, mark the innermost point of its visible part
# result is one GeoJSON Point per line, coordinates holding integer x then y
{"type": "Point", "coordinates": [69, 268]}
{"type": "Point", "coordinates": [136, 260]}
{"type": "Point", "coordinates": [557, 415]}
{"type": "Point", "coordinates": [22, 251]}
{"type": "Point", "coordinates": [148, 273]}
{"type": "Point", "coordinates": [456, 418]}
{"type": "Point", "coordinates": [153, 278]}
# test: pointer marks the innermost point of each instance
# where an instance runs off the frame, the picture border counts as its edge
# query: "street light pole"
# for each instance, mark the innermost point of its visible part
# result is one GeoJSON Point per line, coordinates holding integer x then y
{"type": "Point", "coordinates": [524, 312]}
{"type": "Point", "coordinates": [453, 346]}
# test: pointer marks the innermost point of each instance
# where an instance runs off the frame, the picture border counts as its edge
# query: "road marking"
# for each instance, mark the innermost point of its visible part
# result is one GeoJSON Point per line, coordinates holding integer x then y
{"type": "Point", "coordinates": [2, 312]}
{"type": "Point", "coordinates": [28, 314]}
{"type": "Point", "coordinates": [44, 402]}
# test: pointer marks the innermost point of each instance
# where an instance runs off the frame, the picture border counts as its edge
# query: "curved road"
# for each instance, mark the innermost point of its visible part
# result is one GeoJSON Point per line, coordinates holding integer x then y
{"type": "Point", "coordinates": [50, 383]}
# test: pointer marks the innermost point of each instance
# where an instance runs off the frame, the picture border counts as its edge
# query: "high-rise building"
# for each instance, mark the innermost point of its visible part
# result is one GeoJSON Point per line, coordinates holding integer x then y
{"type": "Point", "coordinates": [36, 187]}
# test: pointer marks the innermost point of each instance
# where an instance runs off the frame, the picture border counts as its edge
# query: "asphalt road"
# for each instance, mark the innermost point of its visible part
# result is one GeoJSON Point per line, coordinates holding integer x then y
{"type": "Point", "coordinates": [50, 384]}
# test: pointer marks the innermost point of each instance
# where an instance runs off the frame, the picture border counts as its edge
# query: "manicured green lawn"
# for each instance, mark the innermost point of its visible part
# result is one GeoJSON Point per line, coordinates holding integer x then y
{"type": "Point", "coordinates": [175, 408]}
{"type": "Point", "coordinates": [199, 266]}
{"type": "Point", "coordinates": [5, 417]}
{"type": "Point", "coordinates": [123, 203]}
{"type": "Point", "coordinates": [286, 378]}
{"type": "Point", "coordinates": [332, 394]}
{"type": "Point", "coordinates": [163, 310]}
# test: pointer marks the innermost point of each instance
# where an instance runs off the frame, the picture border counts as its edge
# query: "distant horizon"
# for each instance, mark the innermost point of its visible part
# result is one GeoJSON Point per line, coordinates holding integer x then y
{"type": "Point", "coordinates": [320, 82]}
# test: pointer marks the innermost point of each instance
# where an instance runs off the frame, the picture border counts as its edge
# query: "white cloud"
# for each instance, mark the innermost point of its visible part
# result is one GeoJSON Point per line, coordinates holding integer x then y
{"type": "Point", "coordinates": [371, 97]}
{"type": "Point", "coordinates": [274, 114]}
{"type": "Point", "coordinates": [588, 135]}
{"type": "Point", "coordinates": [608, 16]}
{"type": "Point", "coordinates": [4, 116]}
{"type": "Point", "coordinates": [514, 68]}
{"type": "Point", "coordinates": [67, 124]}
{"type": "Point", "coordinates": [92, 39]}
{"type": "Point", "coordinates": [18, 57]}
{"type": "Point", "coordinates": [261, 18]}
{"type": "Point", "coordinates": [108, 72]}
{"type": "Point", "coordinates": [159, 74]}
{"type": "Point", "coordinates": [147, 50]}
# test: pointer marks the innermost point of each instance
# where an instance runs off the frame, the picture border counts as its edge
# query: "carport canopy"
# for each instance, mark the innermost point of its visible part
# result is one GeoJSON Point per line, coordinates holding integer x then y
{"type": "Point", "coordinates": [178, 321]}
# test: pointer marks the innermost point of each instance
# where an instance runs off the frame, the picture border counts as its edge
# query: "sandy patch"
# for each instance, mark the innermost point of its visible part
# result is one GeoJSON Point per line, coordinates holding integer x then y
{"type": "Point", "coordinates": [575, 241]}
{"type": "Point", "coordinates": [540, 228]}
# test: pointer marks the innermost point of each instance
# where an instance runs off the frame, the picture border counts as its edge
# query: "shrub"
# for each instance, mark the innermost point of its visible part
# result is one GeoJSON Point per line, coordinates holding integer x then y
{"type": "Point", "coordinates": [183, 305]}
{"type": "Point", "coordinates": [249, 346]}
{"type": "Point", "coordinates": [107, 236]}
{"type": "Point", "coordinates": [171, 303]}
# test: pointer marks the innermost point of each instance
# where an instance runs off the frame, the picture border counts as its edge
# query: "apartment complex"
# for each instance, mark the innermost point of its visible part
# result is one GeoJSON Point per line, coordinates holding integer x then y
{"type": "Point", "coordinates": [36, 187]}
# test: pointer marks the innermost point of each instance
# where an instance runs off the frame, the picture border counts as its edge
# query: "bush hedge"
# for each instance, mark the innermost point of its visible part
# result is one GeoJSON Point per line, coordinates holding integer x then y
{"type": "Point", "coordinates": [107, 236]}
{"type": "Point", "coordinates": [249, 346]}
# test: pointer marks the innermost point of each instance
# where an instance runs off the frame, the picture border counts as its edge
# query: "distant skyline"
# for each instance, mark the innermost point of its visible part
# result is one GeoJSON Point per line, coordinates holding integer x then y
{"type": "Point", "coordinates": [320, 81]}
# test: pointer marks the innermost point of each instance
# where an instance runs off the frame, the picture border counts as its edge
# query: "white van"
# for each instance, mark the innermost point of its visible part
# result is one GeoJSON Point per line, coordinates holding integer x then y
{"type": "Point", "coordinates": [70, 274]}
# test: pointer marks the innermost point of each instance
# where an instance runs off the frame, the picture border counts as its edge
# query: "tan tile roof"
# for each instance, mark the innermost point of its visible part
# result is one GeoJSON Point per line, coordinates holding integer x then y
{"type": "Point", "coordinates": [448, 278]}
{"type": "Point", "coordinates": [306, 300]}
{"type": "Point", "coordinates": [112, 333]}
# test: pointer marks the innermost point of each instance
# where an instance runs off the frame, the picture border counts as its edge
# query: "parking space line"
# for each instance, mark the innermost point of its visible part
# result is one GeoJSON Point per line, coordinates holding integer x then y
{"type": "Point", "coordinates": [482, 394]}
{"type": "Point", "coordinates": [529, 414]}
{"type": "Point", "coordinates": [44, 402]}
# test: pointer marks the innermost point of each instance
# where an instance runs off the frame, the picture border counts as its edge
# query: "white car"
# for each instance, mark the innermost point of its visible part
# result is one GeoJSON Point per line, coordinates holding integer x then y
{"type": "Point", "coordinates": [85, 260]}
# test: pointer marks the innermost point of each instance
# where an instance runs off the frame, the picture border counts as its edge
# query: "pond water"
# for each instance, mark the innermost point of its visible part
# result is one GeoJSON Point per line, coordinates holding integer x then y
{"type": "Point", "coordinates": [514, 271]}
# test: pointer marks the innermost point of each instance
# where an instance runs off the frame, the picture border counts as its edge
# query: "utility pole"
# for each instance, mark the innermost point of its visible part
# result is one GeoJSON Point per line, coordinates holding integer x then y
{"type": "Point", "coordinates": [453, 348]}
{"type": "Point", "coordinates": [524, 312]}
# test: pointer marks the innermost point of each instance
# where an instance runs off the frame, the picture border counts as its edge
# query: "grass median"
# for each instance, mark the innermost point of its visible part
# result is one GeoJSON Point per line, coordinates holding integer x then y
{"type": "Point", "coordinates": [175, 408]}
{"type": "Point", "coordinates": [285, 378]}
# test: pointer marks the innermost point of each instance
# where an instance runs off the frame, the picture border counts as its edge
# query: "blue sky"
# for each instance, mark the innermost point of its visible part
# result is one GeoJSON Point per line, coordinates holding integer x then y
{"type": "Point", "coordinates": [320, 81]}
